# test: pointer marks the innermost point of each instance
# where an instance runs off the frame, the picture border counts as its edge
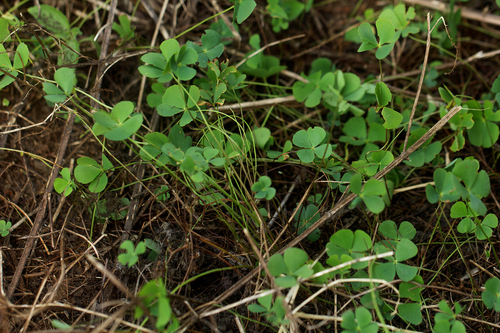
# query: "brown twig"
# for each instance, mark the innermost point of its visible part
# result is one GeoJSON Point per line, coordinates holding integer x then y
{"type": "Point", "coordinates": [466, 12]}
{"type": "Point", "coordinates": [104, 51]}
{"type": "Point", "coordinates": [419, 89]}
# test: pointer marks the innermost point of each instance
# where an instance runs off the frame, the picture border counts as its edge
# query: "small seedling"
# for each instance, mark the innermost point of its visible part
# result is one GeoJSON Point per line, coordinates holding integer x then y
{"type": "Point", "coordinates": [275, 313]}
{"type": "Point", "coordinates": [264, 189]}
{"type": "Point", "coordinates": [491, 294]}
{"type": "Point", "coordinates": [289, 266]}
{"type": "Point", "coordinates": [154, 298]}
{"type": "Point", "coordinates": [88, 171]}
{"type": "Point", "coordinates": [119, 124]}
{"type": "Point", "coordinates": [399, 241]}
{"type": "Point", "coordinates": [361, 321]}
{"type": "Point", "coordinates": [307, 217]}
{"type": "Point", "coordinates": [21, 61]}
{"type": "Point", "coordinates": [64, 184]}
{"type": "Point", "coordinates": [124, 29]}
{"type": "Point", "coordinates": [162, 193]}
{"type": "Point", "coordinates": [446, 322]}
{"type": "Point", "coordinates": [4, 228]}
{"type": "Point", "coordinates": [371, 194]}
{"type": "Point", "coordinates": [311, 140]}
{"type": "Point", "coordinates": [131, 255]}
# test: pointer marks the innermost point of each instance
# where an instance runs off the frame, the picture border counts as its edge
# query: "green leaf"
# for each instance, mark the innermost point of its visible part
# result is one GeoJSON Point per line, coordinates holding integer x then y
{"type": "Point", "coordinates": [262, 136]}
{"type": "Point", "coordinates": [169, 48]}
{"type": "Point", "coordinates": [126, 130]}
{"type": "Point", "coordinates": [57, 324]}
{"type": "Point", "coordinates": [104, 119]}
{"type": "Point", "coordinates": [316, 135]}
{"type": "Point", "coordinates": [355, 183]}
{"type": "Point", "coordinates": [410, 290]}
{"type": "Point", "coordinates": [491, 294]}
{"type": "Point", "coordinates": [99, 183]}
{"type": "Point", "coordinates": [51, 19]}
{"type": "Point", "coordinates": [385, 31]}
{"type": "Point", "coordinates": [392, 118]}
{"type": "Point", "coordinates": [459, 210]}
{"type": "Point", "coordinates": [294, 258]}
{"type": "Point", "coordinates": [87, 173]}
{"type": "Point", "coordinates": [65, 78]}
{"type": "Point", "coordinates": [406, 272]}
{"type": "Point", "coordinates": [4, 58]}
{"type": "Point", "coordinates": [385, 271]}
{"type": "Point", "coordinates": [21, 57]}
{"type": "Point", "coordinates": [301, 139]}
{"type": "Point", "coordinates": [382, 93]}
{"type": "Point", "coordinates": [366, 33]}
{"type": "Point", "coordinates": [388, 229]}
{"type": "Point", "coordinates": [466, 226]}
{"type": "Point", "coordinates": [405, 250]}
{"type": "Point", "coordinates": [383, 51]}
{"type": "Point", "coordinates": [362, 241]}
{"type": "Point", "coordinates": [407, 230]}
{"type": "Point", "coordinates": [374, 187]}
{"type": "Point", "coordinates": [410, 312]}
{"type": "Point", "coordinates": [164, 311]}
{"type": "Point", "coordinates": [243, 9]}
{"type": "Point", "coordinates": [343, 238]}
{"type": "Point", "coordinates": [286, 281]}
{"type": "Point", "coordinates": [375, 204]}
{"type": "Point", "coordinates": [276, 265]}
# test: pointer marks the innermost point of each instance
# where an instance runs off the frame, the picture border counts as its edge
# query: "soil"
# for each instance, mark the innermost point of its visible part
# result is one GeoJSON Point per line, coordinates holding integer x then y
{"type": "Point", "coordinates": [59, 282]}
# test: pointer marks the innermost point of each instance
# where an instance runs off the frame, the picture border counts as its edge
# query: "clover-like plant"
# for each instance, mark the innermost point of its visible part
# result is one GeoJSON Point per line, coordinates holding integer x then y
{"type": "Point", "coordinates": [66, 79]}
{"type": "Point", "coordinates": [399, 241]}
{"type": "Point", "coordinates": [119, 124]}
{"type": "Point", "coordinates": [360, 321]}
{"type": "Point", "coordinates": [336, 89]}
{"type": "Point", "coordinates": [274, 312]}
{"type": "Point", "coordinates": [356, 133]}
{"type": "Point", "coordinates": [211, 47]}
{"type": "Point", "coordinates": [384, 96]}
{"type": "Point", "coordinates": [446, 321]}
{"type": "Point", "coordinates": [4, 228]}
{"type": "Point", "coordinates": [88, 171]}
{"type": "Point", "coordinates": [123, 28]}
{"type": "Point", "coordinates": [281, 156]}
{"type": "Point", "coordinates": [175, 101]}
{"type": "Point", "coordinates": [154, 297]}
{"type": "Point", "coordinates": [64, 184]}
{"type": "Point", "coordinates": [391, 25]}
{"type": "Point", "coordinates": [243, 9]}
{"type": "Point", "coordinates": [21, 58]}
{"type": "Point", "coordinates": [485, 131]}
{"type": "Point", "coordinates": [260, 65]}
{"type": "Point", "coordinates": [284, 11]}
{"type": "Point", "coordinates": [311, 141]}
{"type": "Point", "coordinates": [162, 193]}
{"type": "Point", "coordinates": [58, 24]}
{"type": "Point", "coordinates": [371, 194]}
{"type": "Point", "coordinates": [427, 151]}
{"type": "Point", "coordinates": [346, 245]}
{"type": "Point", "coordinates": [286, 268]}
{"type": "Point", "coordinates": [491, 294]}
{"type": "Point", "coordinates": [132, 253]}
{"type": "Point", "coordinates": [385, 32]}
{"type": "Point", "coordinates": [306, 217]}
{"type": "Point", "coordinates": [471, 223]}
{"type": "Point", "coordinates": [263, 188]}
